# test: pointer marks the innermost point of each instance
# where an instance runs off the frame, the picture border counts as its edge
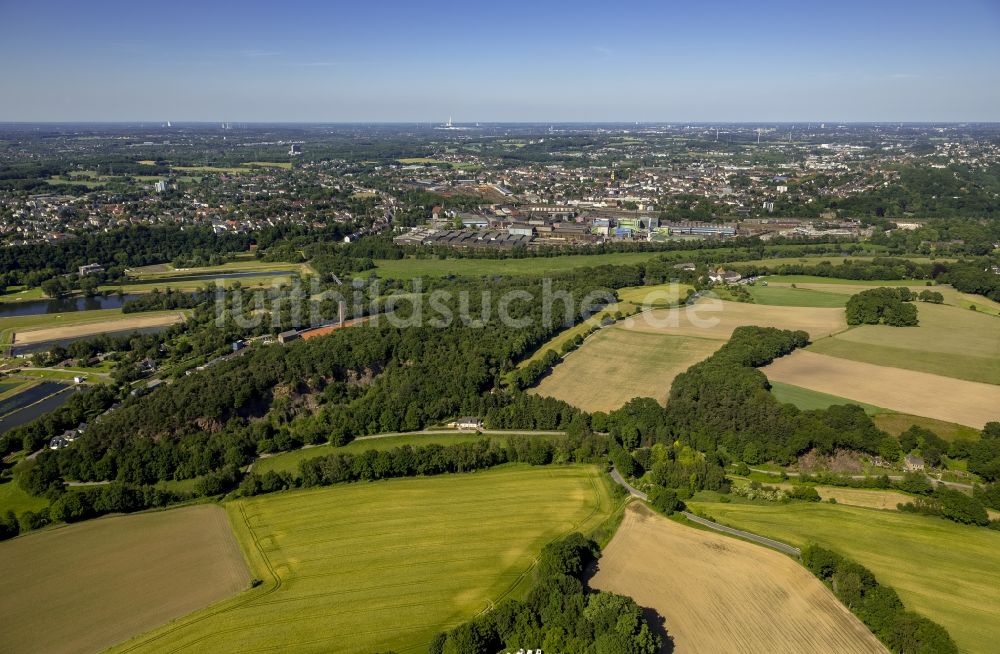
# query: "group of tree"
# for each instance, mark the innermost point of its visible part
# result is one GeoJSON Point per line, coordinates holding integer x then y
{"type": "Point", "coordinates": [877, 605]}
{"type": "Point", "coordinates": [559, 614]}
{"type": "Point", "coordinates": [367, 379]}
{"type": "Point", "coordinates": [883, 306]}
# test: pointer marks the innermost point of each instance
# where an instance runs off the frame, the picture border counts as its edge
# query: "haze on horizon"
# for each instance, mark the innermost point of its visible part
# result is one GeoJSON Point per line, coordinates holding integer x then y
{"type": "Point", "coordinates": [517, 62]}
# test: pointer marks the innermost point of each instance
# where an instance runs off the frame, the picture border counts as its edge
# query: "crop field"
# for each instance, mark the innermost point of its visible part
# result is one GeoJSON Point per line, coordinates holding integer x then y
{"type": "Point", "coordinates": [85, 587]}
{"type": "Point", "coordinates": [897, 423]}
{"type": "Point", "coordinates": [289, 461]}
{"type": "Point", "coordinates": [905, 391]}
{"type": "Point", "coordinates": [579, 329]}
{"type": "Point", "coordinates": [123, 323]}
{"type": "Point", "coordinates": [362, 568]}
{"type": "Point", "coordinates": [616, 364]}
{"type": "Point", "coordinates": [786, 296]}
{"type": "Point", "coordinates": [807, 400]}
{"type": "Point", "coordinates": [890, 421]}
{"type": "Point", "coordinates": [714, 318]}
{"type": "Point", "coordinates": [945, 571]}
{"type": "Point", "coordinates": [720, 594]}
{"type": "Point", "coordinates": [948, 341]}
{"type": "Point", "coordinates": [659, 295]}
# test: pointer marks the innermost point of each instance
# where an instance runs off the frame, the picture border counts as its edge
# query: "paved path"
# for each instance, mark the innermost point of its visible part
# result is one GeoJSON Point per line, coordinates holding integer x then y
{"type": "Point", "coordinates": [762, 540]}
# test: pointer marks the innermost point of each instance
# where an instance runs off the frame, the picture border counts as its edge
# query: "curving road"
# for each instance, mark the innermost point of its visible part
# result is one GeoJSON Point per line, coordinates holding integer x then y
{"type": "Point", "coordinates": [761, 540]}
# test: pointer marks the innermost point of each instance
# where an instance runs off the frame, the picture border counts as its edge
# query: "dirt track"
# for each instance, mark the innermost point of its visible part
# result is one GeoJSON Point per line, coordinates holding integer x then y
{"type": "Point", "coordinates": [124, 323]}
{"type": "Point", "coordinates": [907, 391]}
{"type": "Point", "coordinates": [718, 594]}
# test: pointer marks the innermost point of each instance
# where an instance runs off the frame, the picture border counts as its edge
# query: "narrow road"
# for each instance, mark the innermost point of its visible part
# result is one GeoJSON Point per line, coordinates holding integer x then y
{"type": "Point", "coordinates": [761, 540]}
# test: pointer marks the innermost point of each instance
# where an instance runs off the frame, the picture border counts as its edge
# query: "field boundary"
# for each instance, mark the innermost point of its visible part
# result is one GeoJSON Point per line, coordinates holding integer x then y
{"type": "Point", "coordinates": [785, 548]}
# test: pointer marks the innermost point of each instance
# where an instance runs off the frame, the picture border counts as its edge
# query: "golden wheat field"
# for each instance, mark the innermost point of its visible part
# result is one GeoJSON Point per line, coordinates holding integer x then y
{"type": "Point", "coordinates": [719, 594]}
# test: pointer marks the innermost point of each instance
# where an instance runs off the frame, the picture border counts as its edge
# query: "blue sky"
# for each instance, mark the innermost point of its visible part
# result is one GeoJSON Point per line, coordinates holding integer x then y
{"type": "Point", "coordinates": [878, 60]}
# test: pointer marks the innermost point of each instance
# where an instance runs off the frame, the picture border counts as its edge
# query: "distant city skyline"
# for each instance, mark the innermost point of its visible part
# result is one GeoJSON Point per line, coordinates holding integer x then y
{"type": "Point", "coordinates": [764, 62]}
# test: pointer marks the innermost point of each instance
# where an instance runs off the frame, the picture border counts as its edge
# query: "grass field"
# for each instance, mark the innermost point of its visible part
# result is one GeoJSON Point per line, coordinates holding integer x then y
{"type": "Point", "coordinates": [82, 588]}
{"type": "Point", "coordinates": [719, 594]}
{"type": "Point", "coordinates": [13, 498]}
{"type": "Point", "coordinates": [786, 296]}
{"type": "Point", "coordinates": [616, 364]}
{"type": "Point", "coordinates": [948, 341]}
{"type": "Point", "coordinates": [897, 423]}
{"type": "Point", "coordinates": [714, 318]}
{"type": "Point", "coordinates": [890, 421]}
{"type": "Point", "coordinates": [945, 571]}
{"type": "Point", "coordinates": [904, 391]}
{"type": "Point", "coordinates": [808, 400]}
{"type": "Point", "coordinates": [362, 568]}
{"type": "Point", "coordinates": [289, 461]}
{"type": "Point", "coordinates": [660, 295]}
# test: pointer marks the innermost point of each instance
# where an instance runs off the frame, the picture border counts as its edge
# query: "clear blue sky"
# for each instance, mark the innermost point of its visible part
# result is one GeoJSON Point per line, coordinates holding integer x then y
{"type": "Point", "coordinates": [876, 60]}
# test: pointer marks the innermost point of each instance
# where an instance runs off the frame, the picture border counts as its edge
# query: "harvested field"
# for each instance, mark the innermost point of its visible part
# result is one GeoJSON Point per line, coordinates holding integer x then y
{"type": "Point", "coordinates": [617, 364]}
{"type": "Point", "coordinates": [907, 391]}
{"type": "Point", "coordinates": [713, 318]}
{"type": "Point", "coordinates": [137, 321]}
{"type": "Point", "coordinates": [948, 341]}
{"type": "Point", "coordinates": [945, 571]}
{"type": "Point", "coordinates": [371, 567]}
{"type": "Point", "coordinates": [719, 594]}
{"type": "Point", "coordinates": [83, 588]}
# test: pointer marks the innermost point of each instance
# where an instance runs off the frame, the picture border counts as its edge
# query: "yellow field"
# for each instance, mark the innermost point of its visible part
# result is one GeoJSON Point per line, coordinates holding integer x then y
{"type": "Point", "coordinates": [942, 570]}
{"type": "Point", "coordinates": [719, 594]}
{"type": "Point", "coordinates": [82, 588]}
{"type": "Point", "coordinates": [713, 318]}
{"type": "Point", "coordinates": [922, 394]}
{"type": "Point", "coordinates": [616, 364]}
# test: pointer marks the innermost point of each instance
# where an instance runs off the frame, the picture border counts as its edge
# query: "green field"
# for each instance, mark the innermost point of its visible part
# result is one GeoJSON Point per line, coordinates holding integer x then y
{"type": "Point", "coordinates": [808, 400]}
{"type": "Point", "coordinates": [13, 498]}
{"type": "Point", "coordinates": [370, 567]}
{"type": "Point", "coordinates": [835, 281]}
{"type": "Point", "coordinates": [784, 296]}
{"type": "Point", "coordinates": [890, 421]}
{"type": "Point", "coordinates": [948, 341]}
{"type": "Point", "coordinates": [945, 571]}
{"type": "Point", "coordinates": [659, 295]}
{"type": "Point", "coordinates": [289, 461]}
{"type": "Point", "coordinates": [897, 423]}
